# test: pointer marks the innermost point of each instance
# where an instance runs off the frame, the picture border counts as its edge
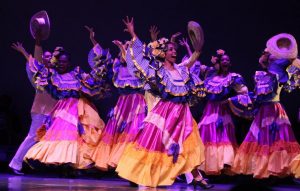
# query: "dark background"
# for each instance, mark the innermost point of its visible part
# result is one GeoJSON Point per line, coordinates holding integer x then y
{"type": "Point", "coordinates": [241, 28]}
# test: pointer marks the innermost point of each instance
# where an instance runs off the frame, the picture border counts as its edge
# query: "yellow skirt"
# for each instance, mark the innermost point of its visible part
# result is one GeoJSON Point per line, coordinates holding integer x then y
{"type": "Point", "coordinates": [295, 166]}
{"type": "Point", "coordinates": [150, 168]}
{"type": "Point", "coordinates": [61, 143]}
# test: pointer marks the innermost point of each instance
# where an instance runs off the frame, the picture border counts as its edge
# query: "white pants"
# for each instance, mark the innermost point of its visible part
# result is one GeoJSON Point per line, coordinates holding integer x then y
{"type": "Point", "coordinates": [29, 141]}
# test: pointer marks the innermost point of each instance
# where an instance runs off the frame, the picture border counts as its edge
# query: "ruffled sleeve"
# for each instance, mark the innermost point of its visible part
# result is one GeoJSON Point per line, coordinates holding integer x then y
{"type": "Point", "coordinates": [294, 80]}
{"type": "Point", "coordinates": [30, 75]}
{"type": "Point", "coordinates": [241, 104]}
{"type": "Point", "coordinates": [38, 72]}
{"type": "Point", "coordinates": [122, 78]}
{"type": "Point", "coordinates": [195, 69]}
{"type": "Point", "coordinates": [190, 90]}
{"type": "Point", "coordinates": [93, 84]}
{"type": "Point", "coordinates": [264, 83]}
{"type": "Point", "coordinates": [137, 63]}
{"type": "Point", "coordinates": [197, 86]}
{"type": "Point", "coordinates": [218, 87]}
{"type": "Point", "coordinates": [98, 55]}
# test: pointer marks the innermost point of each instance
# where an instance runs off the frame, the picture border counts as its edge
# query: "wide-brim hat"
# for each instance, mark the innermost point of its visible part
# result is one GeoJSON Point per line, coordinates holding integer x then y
{"type": "Point", "coordinates": [196, 35]}
{"type": "Point", "coordinates": [283, 46]}
{"type": "Point", "coordinates": [40, 22]}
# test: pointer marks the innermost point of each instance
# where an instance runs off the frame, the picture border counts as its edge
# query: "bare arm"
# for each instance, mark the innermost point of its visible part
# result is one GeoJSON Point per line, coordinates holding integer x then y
{"type": "Point", "coordinates": [19, 47]}
{"type": "Point", "coordinates": [193, 59]}
{"type": "Point", "coordinates": [129, 23]}
{"type": "Point", "coordinates": [190, 62]}
{"type": "Point", "coordinates": [121, 47]}
{"type": "Point", "coordinates": [184, 42]}
{"type": "Point", "coordinates": [92, 35]}
{"type": "Point", "coordinates": [38, 50]}
{"type": "Point", "coordinates": [174, 36]}
{"type": "Point", "coordinates": [154, 32]}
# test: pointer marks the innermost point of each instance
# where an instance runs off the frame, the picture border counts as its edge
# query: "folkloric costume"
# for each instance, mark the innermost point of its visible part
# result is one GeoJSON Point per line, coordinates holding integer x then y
{"type": "Point", "coordinates": [74, 127]}
{"type": "Point", "coordinates": [42, 103]}
{"type": "Point", "coordinates": [124, 119]}
{"type": "Point", "coordinates": [168, 143]}
{"type": "Point", "coordinates": [270, 144]}
{"type": "Point", "coordinates": [217, 131]}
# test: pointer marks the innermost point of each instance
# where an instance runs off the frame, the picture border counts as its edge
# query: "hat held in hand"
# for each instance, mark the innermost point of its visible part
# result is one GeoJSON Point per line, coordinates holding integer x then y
{"type": "Point", "coordinates": [196, 35]}
{"type": "Point", "coordinates": [40, 25]}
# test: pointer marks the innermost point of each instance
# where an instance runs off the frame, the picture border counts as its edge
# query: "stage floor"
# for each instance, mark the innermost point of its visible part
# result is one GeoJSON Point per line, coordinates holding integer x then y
{"type": "Point", "coordinates": [36, 182]}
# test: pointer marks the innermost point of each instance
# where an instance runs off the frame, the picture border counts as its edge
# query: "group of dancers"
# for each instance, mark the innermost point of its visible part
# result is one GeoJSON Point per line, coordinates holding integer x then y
{"type": "Point", "coordinates": [151, 136]}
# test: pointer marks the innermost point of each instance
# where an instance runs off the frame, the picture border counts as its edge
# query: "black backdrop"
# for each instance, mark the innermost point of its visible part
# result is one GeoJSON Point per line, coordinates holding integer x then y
{"type": "Point", "coordinates": [239, 27]}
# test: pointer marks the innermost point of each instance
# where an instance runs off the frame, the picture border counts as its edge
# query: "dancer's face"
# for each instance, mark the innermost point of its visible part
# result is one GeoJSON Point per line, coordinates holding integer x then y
{"type": "Point", "coordinates": [171, 53]}
{"type": "Point", "coordinates": [62, 64]}
{"type": "Point", "coordinates": [46, 59]}
{"type": "Point", "coordinates": [225, 62]}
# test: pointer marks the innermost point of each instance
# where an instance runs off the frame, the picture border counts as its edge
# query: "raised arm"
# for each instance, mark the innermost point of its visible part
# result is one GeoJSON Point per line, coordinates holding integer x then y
{"type": "Point", "coordinates": [19, 47]}
{"type": "Point", "coordinates": [175, 36]}
{"type": "Point", "coordinates": [92, 35]}
{"type": "Point", "coordinates": [190, 62]}
{"type": "Point", "coordinates": [38, 50]}
{"type": "Point", "coordinates": [97, 55]}
{"type": "Point", "coordinates": [184, 42]}
{"type": "Point", "coordinates": [129, 23]}
{"type": "Point", "coordinates": [122, 48]}
{"type": "Point", "coordinates": [154, 32]}
{"type": "Point", "coordinates": [240, 104]}
{"type": "Point", "coordinates": [137, 62]}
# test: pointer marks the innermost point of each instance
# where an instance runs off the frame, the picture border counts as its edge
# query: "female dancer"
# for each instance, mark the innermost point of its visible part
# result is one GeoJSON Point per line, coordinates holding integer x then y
{"type": "Point", "coordinates": [270, 144]}
{"type": "Point", "coordinates": [125, 118]}
{"type": "Point", "coordinates": [168, 143]}
{"type": "Point", "coordinates": [41, 107]}
{"type": "Point", "coordinates": [216, 126]}
{"type": "Point", "coordinates": [74, 126]}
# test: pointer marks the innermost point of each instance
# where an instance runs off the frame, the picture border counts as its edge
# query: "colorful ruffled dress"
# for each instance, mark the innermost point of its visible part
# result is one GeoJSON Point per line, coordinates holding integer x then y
{"type": "Point", "coordinates": [168, 143]}
{"type": "Point", "coordinates": [217, 130]}
{"type": "Point", "coordinates": [293, 84]}
{"type": "Point", "coordinates": [270, 144]}
{"type": "Point", "coordinates": [73, 128]}
{"type": "Point", "coordinates": [124, 119]}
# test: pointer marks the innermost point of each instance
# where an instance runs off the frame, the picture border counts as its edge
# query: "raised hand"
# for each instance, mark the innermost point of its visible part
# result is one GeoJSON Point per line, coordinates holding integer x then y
{"type": "Point", "coordinates": [154, 32]}
{"type": "Point", "coordinates": [19, 47]}
{"type": "Point", "coordinates": [92, 34]}
{"type": "Point", "coordinates": [129, 23]}
{"type": "Point", "coordinates": [174, 36]}
{"type": "Point", "coordinates": [184, 42]}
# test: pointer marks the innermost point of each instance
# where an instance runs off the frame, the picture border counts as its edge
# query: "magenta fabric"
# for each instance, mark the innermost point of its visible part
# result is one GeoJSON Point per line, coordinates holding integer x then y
{"type": "Point", "coordinates": [216, 126]}
{"type": "Point", "coordinates": [167, 124]}
{"type": "Point", "coordinates": [64, 121]}
{"type": "Point", "coordinates": [127, 117]}
{"type": "Point", "coordinates": [271, 124]}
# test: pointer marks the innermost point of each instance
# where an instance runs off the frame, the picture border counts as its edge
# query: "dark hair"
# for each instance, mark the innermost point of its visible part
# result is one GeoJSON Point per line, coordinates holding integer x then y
{"type": "Point", "coordinates": [59, 51]}
{"type": "Point", "coordinates": [219, 58]}
{"type": "Point", "coordinates": [169, 42]}
{"type": "Point", "coordinates": [65, 54]}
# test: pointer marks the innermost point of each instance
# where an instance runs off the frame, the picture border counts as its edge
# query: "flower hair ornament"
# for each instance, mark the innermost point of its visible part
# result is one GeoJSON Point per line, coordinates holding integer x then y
{"type": "Point", "coordinates": [57, 51]}
{"type": "Point", "coordinates": [215, 59]}
{"type": "Point", "coordinates": [158, 47]}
